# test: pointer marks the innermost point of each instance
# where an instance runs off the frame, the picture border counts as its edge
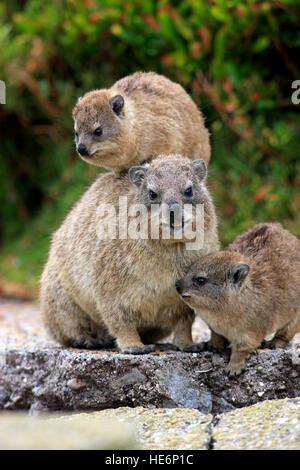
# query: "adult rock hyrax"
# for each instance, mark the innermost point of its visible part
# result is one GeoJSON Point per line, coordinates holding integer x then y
{"type": "Point", "coordinates": [138, 118]}
{"type": "Point", "coordinates": [95, 290]}
{"type": "Point", "coordinates": [249, 292]}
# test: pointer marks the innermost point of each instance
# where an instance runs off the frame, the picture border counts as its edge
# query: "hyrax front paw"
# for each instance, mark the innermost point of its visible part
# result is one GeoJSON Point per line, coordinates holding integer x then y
{"type": "Point", "coordinates": [139, 349]}
{"type": "Point", "coordinates": [234, 369]}
{"type": "Point", "coordinates": [237, 361]}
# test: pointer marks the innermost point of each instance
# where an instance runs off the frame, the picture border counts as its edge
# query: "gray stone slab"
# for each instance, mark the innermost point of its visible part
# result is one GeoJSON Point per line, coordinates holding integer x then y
{"type": "Point", "coordinates": [38, 375]}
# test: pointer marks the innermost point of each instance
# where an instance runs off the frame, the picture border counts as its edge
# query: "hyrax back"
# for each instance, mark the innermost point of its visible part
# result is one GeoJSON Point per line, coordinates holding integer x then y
{"type": "Point", "coordinates": [138, 118]}
{"type": "Point", "coordinates": [249, 292]}
{"type": "Point", "coordinates": [95, 290]}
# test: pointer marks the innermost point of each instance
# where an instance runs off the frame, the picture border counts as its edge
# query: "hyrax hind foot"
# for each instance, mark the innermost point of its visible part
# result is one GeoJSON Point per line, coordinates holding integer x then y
{"type": "Point", "coordinates": [83, 342]}
{"type": "Point", "coordinates": [193, 348]}
{"type": "Point", "coordinates": [139, 349]}
{"type": "Point", "coordinates": [275, 344]}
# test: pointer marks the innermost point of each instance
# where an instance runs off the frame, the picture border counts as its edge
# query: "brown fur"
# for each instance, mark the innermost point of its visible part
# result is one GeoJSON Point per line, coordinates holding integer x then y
{"type": "Point", "coordinates": [95, 290]}
{"type": "Point", "coordinates": [250, 292]}
{"type": "Point", "coordinates": [158, 117]}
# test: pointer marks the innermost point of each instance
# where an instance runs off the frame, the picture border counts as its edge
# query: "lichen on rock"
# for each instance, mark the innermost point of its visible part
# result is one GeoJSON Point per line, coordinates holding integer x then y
{"type": "Point", "coordinates": [270, 425]}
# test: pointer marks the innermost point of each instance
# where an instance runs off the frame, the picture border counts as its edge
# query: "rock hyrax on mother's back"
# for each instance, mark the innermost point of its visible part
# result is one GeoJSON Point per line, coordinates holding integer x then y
{"type": "Point", "coordinates": [139, 117]}
{"type": "Point", "coordinates": [95, 289]}
{"type": "Point", "coordinates": [249, 292]}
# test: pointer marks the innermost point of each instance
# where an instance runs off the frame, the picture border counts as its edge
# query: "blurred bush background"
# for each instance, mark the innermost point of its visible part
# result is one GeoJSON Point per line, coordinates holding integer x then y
{"type": "Point", "coordinates": [236, 58]}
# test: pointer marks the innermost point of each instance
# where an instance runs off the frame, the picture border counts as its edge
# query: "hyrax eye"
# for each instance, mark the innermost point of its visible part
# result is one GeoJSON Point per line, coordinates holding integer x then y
{"type": "Point", "coordinates": [75, 133]}
{"type": "Point", "coordinates": [98, 131]}
{"type": "Point", "coordinates": [152, 195]}
{"type": "Point", "coordinates": [200, 281]}
{"type": "Point", "coordinates": [188, 191]}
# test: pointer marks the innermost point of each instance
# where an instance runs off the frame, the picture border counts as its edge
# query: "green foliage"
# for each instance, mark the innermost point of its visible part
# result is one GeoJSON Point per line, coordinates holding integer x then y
{"type": "Point", "coordinates": [236, 58]}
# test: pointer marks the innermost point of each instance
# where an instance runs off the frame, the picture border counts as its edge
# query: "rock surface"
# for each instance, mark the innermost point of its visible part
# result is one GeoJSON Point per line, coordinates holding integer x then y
{"type": "Point", "coordinates": [38, 375]}
{"type": "Point", "coordinates": [169, 429]}
{"type": "Point", "coordinates": [270, 425]}
{"type": "Point", "coordinates": [85, 431]}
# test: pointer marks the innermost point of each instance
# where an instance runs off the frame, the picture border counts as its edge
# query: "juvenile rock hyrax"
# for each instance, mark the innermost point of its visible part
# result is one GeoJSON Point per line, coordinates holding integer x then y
{"type": "Point", "coordinates": [249, 292]}
{"type": "Point", "coordinates": [95, 290]}
{"type": "Point", "coordinates": [140, 117]}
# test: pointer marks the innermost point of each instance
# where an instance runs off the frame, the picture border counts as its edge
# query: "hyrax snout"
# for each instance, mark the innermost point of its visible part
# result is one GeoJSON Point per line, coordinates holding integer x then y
{"type": "Point", "coordinates": [138, 118]}
{"type": "Point", "coordinates": [171, 190]}
{"type": "Point", "coordinates": [97, 289]}
{"type": "Point", "coordinates": [249, 292]}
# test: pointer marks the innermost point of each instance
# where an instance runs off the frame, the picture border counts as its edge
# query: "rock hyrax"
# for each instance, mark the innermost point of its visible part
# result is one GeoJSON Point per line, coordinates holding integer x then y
{"type": "Point", "coordinates": [95, 290]}
{"type": "Point", "coordinates": [138, 118]}
{"type": "Point", "coordinates": [249, 292]}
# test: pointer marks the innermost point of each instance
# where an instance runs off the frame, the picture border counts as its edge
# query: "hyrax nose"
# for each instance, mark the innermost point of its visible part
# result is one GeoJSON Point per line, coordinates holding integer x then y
{"type": "Point", "coordinates": [82, 149]}
{"type": "Point", "coordinates": [178, 286]}
{"type": "Point", "coordinates": [172, 204]}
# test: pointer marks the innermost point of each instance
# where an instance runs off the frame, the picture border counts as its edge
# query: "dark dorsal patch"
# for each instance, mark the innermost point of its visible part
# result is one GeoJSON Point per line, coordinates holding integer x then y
{"type": "Point", "coordinates": [255, 236]}
{"type": "Point", "coordinates": [261, 231]}
{"type": "Point", "coordinates": [137, 82]}
{"type": "Point", "coordinates": [256, 239]}
{"type": "Point", "coordinates": [252, 241]}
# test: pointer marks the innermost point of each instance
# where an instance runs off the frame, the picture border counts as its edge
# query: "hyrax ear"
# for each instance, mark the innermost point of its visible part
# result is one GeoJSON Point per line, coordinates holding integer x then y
{"type": "Point", "coordinates": [239, 272]}
{"type": "Point", "coordinates": [117, 104]}
{"type": "Point", "coordinates": [200, 168]}
{"type": "Point", "coordinates": [137, 174]}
